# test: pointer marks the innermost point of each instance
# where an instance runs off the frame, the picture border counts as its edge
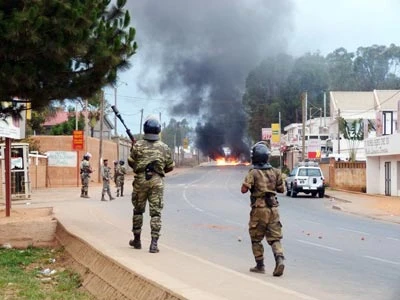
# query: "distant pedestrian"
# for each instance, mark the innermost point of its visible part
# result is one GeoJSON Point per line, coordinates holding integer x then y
{"type": "Point", "coordinates": [120, 173]}
{"type": "Point", "coordinates": [150, 159]}
{"type": "Point", "coordinates": [85, 171]}
{"type": "Point", "coordinates": [264, 182]}
{"type": "Point", "coordinates": [106, 175]}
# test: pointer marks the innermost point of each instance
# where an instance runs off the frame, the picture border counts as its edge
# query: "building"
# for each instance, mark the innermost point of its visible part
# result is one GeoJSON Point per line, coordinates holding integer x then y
{"type": "Point", "coordinates": [377, 108]}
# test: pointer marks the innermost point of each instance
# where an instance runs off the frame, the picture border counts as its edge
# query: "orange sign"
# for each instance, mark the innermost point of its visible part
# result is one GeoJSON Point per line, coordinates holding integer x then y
{"type": "Point", "coordinates": [77, 140]}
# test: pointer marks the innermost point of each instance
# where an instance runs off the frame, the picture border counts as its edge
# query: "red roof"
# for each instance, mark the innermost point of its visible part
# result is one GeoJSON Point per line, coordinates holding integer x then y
{"type": "Point", "coordinates": [60, 117]}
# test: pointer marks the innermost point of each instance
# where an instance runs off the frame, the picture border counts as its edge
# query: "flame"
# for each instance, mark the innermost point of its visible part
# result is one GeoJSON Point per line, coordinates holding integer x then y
{"type": "Point", "coordinates": [231, 162]}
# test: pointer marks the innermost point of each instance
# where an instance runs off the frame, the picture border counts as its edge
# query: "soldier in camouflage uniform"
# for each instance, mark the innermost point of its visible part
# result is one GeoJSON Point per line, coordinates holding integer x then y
{"type": "Point", "coordinates": [115, 172]}
{"type": "Point", "coordinates": [85, 170]}
{"type": "Point", "coordinates": [120, 173]}
{"type": "Point", "coordinates": [150, 159]}
{"type": "Point", "coordinates": [106, 175]}
{"type": "Point", "coordinates": [264, 182]}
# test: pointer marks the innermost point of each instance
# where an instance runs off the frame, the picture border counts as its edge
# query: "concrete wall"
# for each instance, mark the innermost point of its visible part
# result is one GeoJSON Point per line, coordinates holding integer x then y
{"type": "Point", "coordinates": [349, 176]}
{"type": "Point", "coordinates": [43, 176]}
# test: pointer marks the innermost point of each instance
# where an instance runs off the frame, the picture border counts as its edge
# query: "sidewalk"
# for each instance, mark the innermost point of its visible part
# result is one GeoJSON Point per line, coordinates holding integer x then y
{"type": "Point", "coordinates": [385, 208]}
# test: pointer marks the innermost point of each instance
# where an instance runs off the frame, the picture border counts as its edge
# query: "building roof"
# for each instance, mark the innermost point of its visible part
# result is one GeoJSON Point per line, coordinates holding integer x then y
{"type": "Point", "coordinates": [363, 104]}
{"type": "Point", "coordinates": [58, 118]}
{"type": "Point", "coordinates": [387, 99]}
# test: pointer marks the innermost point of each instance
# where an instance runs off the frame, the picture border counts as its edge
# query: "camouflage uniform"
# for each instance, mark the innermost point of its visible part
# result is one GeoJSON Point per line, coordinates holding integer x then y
{"type": "Point", "coordinates": [85, 170]}
{"type": "Point", "coordinates": [120, 173]}
{"type": "Point", "coordinates": [264, 215]}
{"type": "Point", "coordinates": [151, 188]}
{"type": "Point", "coordinates": [106, 175]}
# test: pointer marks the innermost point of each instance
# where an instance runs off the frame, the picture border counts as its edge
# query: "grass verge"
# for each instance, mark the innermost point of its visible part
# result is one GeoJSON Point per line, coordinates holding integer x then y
{"type": "Point", "coordinates": [37, 273]}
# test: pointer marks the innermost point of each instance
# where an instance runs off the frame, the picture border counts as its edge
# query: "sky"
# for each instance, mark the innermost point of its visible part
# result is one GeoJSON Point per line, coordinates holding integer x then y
{"type": "Point", "coordinates": [194, 56]}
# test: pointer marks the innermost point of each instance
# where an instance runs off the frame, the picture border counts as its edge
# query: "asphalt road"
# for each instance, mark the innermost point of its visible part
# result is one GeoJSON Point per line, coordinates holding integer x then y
{"type": "Point", "coordinates": [330, 255]}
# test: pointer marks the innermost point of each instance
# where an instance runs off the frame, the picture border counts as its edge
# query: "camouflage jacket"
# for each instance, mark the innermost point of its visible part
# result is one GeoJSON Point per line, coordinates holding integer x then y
{"type": "Point", "coordinates": [106, 173]}
{"type": "Point", "coordinates": [120, 172]}
{"type": "Point", "coordinates": [265, 181]}
{"type": "Point", "coordinates": [86, 169]}
{"type": "Point", "coordinates": [144, 152]}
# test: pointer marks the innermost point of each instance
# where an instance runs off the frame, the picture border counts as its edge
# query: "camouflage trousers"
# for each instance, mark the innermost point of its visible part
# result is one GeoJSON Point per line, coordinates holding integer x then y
{"type": "Point", "coordinates": [119, 183]}
{"type": "Point", "coordinates": [106, 189]}
{"type": "Point", "coordinates": [85, 184]}
{"type": "Point", "coordinates": [152, 191]}
{"type": "Point", "coordinates": [264, 222]}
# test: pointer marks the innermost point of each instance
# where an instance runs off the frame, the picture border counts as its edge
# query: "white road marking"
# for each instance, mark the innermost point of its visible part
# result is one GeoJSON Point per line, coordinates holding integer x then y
{"type": "Point", "coordinates": [319, 245]}
{"type": "Point", "coordinates": [393, 239]}
{"type": "Point", "coordinates": [351, 230]}
{"type": "Point", "coordinates": [295, 293]}
{"type": "Point", "coordinates": [312, 222]}
{"type": "Point", "coordinates": [382, 260]}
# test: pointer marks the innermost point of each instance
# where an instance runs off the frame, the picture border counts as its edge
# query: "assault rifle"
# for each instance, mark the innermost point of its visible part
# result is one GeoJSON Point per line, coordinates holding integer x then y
{"type": "Point", "coordinates": [128, 131]}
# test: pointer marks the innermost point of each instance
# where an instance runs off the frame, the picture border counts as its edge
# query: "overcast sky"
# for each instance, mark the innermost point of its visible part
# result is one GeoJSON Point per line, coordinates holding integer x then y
{"type": "Point", "coordinates": [231, 37]}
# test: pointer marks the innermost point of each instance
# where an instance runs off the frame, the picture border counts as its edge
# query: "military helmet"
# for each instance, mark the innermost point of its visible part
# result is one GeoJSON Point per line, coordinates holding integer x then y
{"type": "Point", "coordinates": [151, 129]}
{"type": "Point", "coordinates": [87, 156]}
{"type": "Point", "coordinates": [260, 154]}
{"type": "Point", "coordinates": [121, 162]}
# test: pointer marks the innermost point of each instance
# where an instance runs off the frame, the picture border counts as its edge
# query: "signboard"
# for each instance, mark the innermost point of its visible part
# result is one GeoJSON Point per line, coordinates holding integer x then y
{"type": "Point", "coordinates": [62, 158]}
{"type": "Point", "coordinates": [314, 148]}
{"type": "Point", "coordinates": [266, 134]}
{"type": "Point", "coordinates": [276, 133]}
{"type": "Point", "coordinates": [77, 140]}
{"type": "Point", "coordinates": [13, 127]}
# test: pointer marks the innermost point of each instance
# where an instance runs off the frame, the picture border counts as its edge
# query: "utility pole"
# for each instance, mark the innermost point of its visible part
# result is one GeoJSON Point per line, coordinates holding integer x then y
{"type": "Point", "coordinates": [141, 121]}
{"type": "Point", "coordinates": [304, 116]}
{"type": "Point", "coordinates": [86, 125]}
{"type": "Point", "coordinates": [76, 115]}
{"type": "Point", "coordinates": [101, 134]}
{"type": "Point", "coordinates": [338, 131]}
{"type": "Point", "coordinates": [324, 109]}
{"type": "Point", "coordinates": [115, 116]}
{"type": "Point", "coordinates": [280, 143]}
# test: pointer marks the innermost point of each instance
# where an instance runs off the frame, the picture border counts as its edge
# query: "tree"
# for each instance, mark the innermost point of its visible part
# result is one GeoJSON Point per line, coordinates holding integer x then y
{"type": "Point", "coordinates": [341, 71]}
{"type": "Point", "coordinates": [353, 132]}
{"type": "Point", "coordinates": [62, 49]}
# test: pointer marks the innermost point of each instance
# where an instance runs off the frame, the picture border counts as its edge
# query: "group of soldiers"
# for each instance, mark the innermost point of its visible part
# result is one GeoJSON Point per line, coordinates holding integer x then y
{"type": "Point", "coordinates": [150, 159]}
{"type": "Point", "coordinates": [107, 176]}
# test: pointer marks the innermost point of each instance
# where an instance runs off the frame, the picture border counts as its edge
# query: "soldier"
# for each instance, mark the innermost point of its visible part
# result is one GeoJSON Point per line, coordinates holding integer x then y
{"type": "Point", "coordinates": [264, 182]}
{"type": "Point", "coordinates": [85, 170]}
{"type": "Point", "coordinates": [120, 173]}
{"type": "Point", "coordinates": [115, 172]}
{"type": "Point", "coordinates": [106, 175]}
{"type": "Point", "coordinates": [150, 159]}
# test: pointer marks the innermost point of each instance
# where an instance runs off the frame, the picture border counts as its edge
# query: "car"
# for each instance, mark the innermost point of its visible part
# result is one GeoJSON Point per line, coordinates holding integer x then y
{"type": "Point", "coordinates": [306, 178]}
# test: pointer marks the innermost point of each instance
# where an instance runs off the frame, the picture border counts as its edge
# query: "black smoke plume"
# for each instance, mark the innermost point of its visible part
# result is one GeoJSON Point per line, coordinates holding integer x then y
{"type": "Point", "coordinates": [202, 51]}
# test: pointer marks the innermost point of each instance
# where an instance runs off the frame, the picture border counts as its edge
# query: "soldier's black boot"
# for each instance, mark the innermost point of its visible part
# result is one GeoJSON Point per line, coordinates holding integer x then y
{"type": "Point", "coordinates": [136, 243]}
{"type": "Point", "coordinates": [86, 195]}
{"type": "Point", "coordinates": [259, 268]}
{"type": "Point", "coordinates": [279, 267]}
{"type": "Point", "coordinates": [102, 198]}
{"type": "Point", "coordinates": [153, 245]}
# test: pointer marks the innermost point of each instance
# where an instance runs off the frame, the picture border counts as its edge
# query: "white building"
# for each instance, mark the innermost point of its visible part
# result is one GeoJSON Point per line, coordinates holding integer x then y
{"type": "Point", "coordinates": [378, 106]}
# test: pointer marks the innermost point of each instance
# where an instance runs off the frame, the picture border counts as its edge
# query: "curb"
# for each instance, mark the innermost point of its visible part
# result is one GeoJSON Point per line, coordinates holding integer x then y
{"type": "Point", "coordinates": [105, 278]}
